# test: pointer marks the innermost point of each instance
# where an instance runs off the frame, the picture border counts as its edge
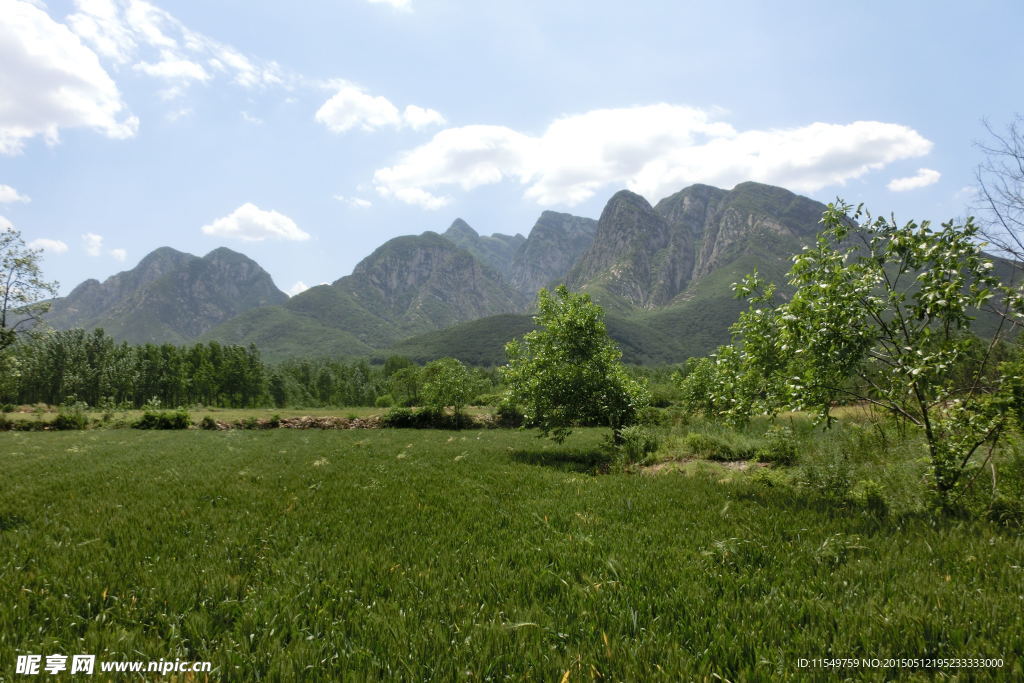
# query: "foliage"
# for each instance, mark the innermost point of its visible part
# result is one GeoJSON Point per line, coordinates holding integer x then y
{"type": "Point", "coordinates": [568, 372]}
{"type": "Point", "coordinates": [638, 443]}
{"type": "Point", "coordinates": [779, 447]}
{"type": "Point", "coordinates": [71, 416]}
{"type": "Point", "coordinates": [425, 418]}
{"type": "Point", "coordinates": [717, 447]}
{"type": "Point", "coordinates": [93, 367]}
{"type": "Point", "coordinates": [880, 313]}
{"type": "Point", "coordinates": [23, 291]}
{"type": "Point", "coordinates": [151, 419]}
{"type": "Point", "coordinates": [447, 382]}
{"type": "Point", "coordinates": [508, 415]}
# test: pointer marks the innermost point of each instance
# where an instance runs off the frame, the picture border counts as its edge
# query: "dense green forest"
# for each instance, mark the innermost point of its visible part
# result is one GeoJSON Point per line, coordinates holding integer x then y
{"type": "Point", "coordinates": [71, 366]}
{"type": "Point", "coordinates": [90, 367]}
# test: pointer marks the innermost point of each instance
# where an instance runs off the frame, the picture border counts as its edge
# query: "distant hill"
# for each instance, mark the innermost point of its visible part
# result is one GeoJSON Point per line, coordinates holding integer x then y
{"type": "Point", "coordinates": [407, 286]}
{"type": "Point", "coordinates": [170, 296]}
{"type": "Point", "coordinates": [662, 273]}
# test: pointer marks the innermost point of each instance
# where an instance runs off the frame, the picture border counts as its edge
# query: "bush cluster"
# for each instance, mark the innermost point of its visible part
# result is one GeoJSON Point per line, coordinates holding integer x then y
{"type": "Point", "coordinates": [71, 416]}
{"type": "Point", "coordinates": [638, 443]}
{"type": "Point", "coordinates": [716, 447]}
{"type": "Point", "coordinates": [426, 418]}
{"type": "Point", "coordinates": [151, 419]}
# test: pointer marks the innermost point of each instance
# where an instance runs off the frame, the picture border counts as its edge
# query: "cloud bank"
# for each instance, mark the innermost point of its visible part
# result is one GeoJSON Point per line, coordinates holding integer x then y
{"type": "Point", "coordinates": [51, 80]}
{"type": "Point", "coordinates": [653, 150]}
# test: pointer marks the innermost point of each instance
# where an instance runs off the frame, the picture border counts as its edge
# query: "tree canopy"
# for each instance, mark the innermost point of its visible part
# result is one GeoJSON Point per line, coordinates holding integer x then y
{"type": "Point", "coordinates": [23, 291]}
{"type": "Point", "coordinates": [880, 313]}
{"type": "Point", "coordinates": [569, 372]}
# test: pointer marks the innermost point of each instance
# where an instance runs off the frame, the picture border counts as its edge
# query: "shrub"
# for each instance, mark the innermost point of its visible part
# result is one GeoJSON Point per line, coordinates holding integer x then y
{"type": "Point", "coordinates": [208, 423]}
{"type": "Point", "coordinates": [384, 401]}
{"type": "Point", "coordinates": [868, 493]}
{"type": "Point", "coordinates": [779, 447]}
{"type": "Point", "coordinates": [434, 418]}
{"type": "Point", "coordinates": [425, 418]}
{"type": "Point", "coordinates": [151, 419]}
{"type": "Point", "coordinates": [1007, 511]}
{"type": "Point", "coordinates": [71, 417]}
{"type": "Point", "coordinates": [249, 423]}
{"type": "Point", "coordinates": [830, 475]}
{"type": "Point", "coordinates": [637, 443]}
{"type": "Point", "coordinates": [7, 408]}
{"type": "Point", "coordinates": [399, 418]}
{"type": "Point", "coordinates": [712, 447]}
{"type": "Point", "coordinates": [508, 415]}
{"type": "Point", "coordinates": [652, 416]}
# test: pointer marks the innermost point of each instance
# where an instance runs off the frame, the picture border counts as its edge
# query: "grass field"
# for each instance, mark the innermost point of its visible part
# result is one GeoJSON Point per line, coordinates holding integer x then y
{"type": "Point", "coordinates": [394, 554]}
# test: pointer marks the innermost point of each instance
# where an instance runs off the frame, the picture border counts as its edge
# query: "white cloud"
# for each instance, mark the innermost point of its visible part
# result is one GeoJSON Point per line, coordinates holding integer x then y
{"type": "Point", "coordinates": [5, 224]}
{"type": "Point", "coordinates": [119, 254]}
{"type": "Point", "coordinates": [54, 246]}
{"type": "Point", "coordinates": [419, 117]}
{"type": "Point", "coordinates": [923, 178]}
{"type": "Point", "coordinates": [173, 68]}
{"type": "Point", "coordinates": [50, 80]}
{"type": "Point", "coordinates": [163, 47]}
{"type": "Point", "coordinates": [249, 118]}
{"type": "Point", "coordinates": [357, 202]}
{"type": "Point", "coordinates": [252, 224]}
{"type": "Point", "coordinates": [404, 5]}
{"type": "Point", "coordinates": [298, 288]}
{"type": "Point", "coordinates": [93, 243]}
{"type": "Point", "coordinates": [352, 107]}
{"type": "Point", "coordinates": [9, 195]}
{"type": "Point", "coordinates": [653, 150]}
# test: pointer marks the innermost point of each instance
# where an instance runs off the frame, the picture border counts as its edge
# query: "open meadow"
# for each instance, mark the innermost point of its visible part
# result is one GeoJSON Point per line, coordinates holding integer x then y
{"type": "Point", "coordinates": [479, 554]}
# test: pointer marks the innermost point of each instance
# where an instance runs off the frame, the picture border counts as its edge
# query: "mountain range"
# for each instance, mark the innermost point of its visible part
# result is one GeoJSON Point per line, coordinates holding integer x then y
{"type": "Point", "coordinates": [661, 272]}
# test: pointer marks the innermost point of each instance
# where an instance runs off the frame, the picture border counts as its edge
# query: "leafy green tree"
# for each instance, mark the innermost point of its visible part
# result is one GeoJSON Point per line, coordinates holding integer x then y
{"type": "Point", "coordinates": [404, 384]}
{"type": "Point", "coordinates": [568, 372]}
{"type": "Point", "coordinates": [447, 382]}
{"type": "Point", "coordinates": [23, 291]}
{"type": "Point", "coordinates": [880, 313]}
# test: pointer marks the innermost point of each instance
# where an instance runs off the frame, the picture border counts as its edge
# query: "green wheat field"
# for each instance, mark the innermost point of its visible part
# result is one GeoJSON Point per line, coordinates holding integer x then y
{"type": "Point", "coordinates": [475, 555]}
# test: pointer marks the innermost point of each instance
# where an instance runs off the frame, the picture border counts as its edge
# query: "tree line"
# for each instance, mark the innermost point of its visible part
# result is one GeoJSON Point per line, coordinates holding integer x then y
{"type": "Point", "coordinates": [69, 366]}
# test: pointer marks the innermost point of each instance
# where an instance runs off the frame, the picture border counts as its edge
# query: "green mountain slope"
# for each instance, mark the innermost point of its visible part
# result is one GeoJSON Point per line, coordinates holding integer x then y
{"type": "Point", "coordinates": [169, 296]}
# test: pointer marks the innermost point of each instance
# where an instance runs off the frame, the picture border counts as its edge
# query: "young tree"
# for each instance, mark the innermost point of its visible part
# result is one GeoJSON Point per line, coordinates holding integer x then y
{"type": "Point", "coordinates": [568, 372]}
{"type": "Point", "coordinates": [23, 292]}
{"type": "Point", "coordinates": [880, 313]}
{"type": "Point", "coordinates": [447, 382]}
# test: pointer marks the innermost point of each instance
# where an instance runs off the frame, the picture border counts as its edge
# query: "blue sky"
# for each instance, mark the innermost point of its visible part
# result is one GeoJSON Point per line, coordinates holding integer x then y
{"type": "Point", "coordinates": [306, 134]}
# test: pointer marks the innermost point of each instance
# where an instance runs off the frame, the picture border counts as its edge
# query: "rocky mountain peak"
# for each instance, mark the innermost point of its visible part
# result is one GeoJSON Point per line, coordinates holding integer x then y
{"type": "Point", "coordinates": [461, 229]}
{"type": "Point", "coordinates": [556, 242]}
